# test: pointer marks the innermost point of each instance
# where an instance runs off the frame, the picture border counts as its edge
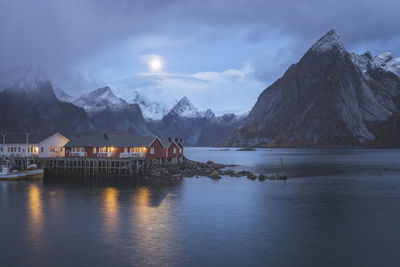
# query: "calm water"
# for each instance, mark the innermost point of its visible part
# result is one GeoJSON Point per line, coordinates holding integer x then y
{"type": "Point", "coordinates": [339, 208]}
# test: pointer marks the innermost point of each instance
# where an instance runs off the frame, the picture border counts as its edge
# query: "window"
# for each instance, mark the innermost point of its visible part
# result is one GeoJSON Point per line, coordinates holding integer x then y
{"type": "Point", "coordinates": [174, 150]}
{"type": "Point", "coordinates": [180, 150]}
{"type": "Point", "coordinates": [151, 150]}
{"type": "Point", "coordinates": [125, 150]}
{"type": "Point", "coordinates": [82, 150]}
{"type": "Point", "coordinates": [94, 150]}
{"type": "Point", "coordinates": [1, 149]}
{"type": "Point", "coordinates": [41, 149]}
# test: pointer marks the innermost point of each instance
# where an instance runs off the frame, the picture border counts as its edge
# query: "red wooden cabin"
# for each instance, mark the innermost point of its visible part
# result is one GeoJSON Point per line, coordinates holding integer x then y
{"type": "Point", "coordinates": [119, 146]}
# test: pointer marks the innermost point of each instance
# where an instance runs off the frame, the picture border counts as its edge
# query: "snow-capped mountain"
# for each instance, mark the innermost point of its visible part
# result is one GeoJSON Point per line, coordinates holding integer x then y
{"type": "Point", "coordinates": [111, 113]}
{"type": "Point", "coordinates": [384, 61]}
{"type": "Point", "coordinates": [63, 96]}
{"type": "Point", "coordinates": [26, 77]}
{"type": "Point", "coordinates": [99, 100]}
{"type": "Point", "coordinates": [151, 110]}
{"type": "Point", "coordinates": [28, 103]}
{"type": "Point", "coordinates": [185, 108]}
{"type": "Point", "coordinates": [331, 97]}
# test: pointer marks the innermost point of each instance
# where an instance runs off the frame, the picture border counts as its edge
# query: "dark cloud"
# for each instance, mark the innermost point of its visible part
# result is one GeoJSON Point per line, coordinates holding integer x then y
{"type": "Point", "coordinates": [61, 34]}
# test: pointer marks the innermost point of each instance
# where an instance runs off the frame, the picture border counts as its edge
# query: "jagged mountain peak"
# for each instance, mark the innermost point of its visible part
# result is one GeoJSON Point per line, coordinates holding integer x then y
{"type": "Point", "coordinates": [185, 108]}
{"type": "Point", "coordinates": [330, 41]}
{"type": "Point", "coordinates": [100, 99]}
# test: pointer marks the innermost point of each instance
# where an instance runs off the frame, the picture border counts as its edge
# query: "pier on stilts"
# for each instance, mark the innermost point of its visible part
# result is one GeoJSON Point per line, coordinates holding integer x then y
{"type": "Point", "coordinates": [100, 167]}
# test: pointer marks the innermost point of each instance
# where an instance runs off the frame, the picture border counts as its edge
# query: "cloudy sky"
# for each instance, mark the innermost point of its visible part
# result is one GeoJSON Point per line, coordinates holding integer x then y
{"type": "Point", "coordinates": [220, 53]}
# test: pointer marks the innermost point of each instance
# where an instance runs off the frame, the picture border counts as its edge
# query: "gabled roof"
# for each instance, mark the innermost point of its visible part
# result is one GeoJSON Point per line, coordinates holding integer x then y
{"type": "Point", "coordinates": [99, 140]}
{"type": "Point", "coordinates": [21, 138]}
{"type": "Point", "coordinates": [167, 143]}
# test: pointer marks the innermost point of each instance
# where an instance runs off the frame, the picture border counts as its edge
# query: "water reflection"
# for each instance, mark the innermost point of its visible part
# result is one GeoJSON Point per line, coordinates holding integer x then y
{"type": "Point", "coordinates": [35, 209]}
{"type": "Point", "coordinates": [111, 211]}
{"type": "Point", "coordinates": [36, 222]}
{"type": "Point", "coordinates": [154, 227]}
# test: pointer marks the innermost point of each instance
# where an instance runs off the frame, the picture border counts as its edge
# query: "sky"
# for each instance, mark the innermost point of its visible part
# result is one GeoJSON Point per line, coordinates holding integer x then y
{"type": "Point", "coordinates": [221, 54]}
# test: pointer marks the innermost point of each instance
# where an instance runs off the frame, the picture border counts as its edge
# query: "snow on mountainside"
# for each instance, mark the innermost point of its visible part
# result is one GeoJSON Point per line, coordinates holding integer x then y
{"type": "Point", "coordinates": [329, 41]}
{"type": "Point", "coordinates": [384, 61]}
{"type": "Point", "coordinates": [184, 108]}
{"type": "Point", "coordinates": [154, 110]}
{"type": "Point", "coordinates": [99, 100]}
{"type": "Point", "coordinates": [26, 77]}
{"type": "Point", "coordinates": [331, 97]}
{"type": "Point", "coordinates": [63, 96]}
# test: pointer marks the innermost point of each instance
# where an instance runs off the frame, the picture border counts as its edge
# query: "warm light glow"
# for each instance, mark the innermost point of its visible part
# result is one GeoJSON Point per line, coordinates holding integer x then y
{"type": "Point", "coordinates": [35, 206]}
{"type": "Point", "coordinates": [111, 209]}
{"type": "Point", "coordinates": [155, 64]}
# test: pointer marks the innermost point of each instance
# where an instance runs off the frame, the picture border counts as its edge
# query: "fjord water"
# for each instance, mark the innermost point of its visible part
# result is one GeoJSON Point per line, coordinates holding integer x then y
{"type": "Point", "coordinates": [340, 207]}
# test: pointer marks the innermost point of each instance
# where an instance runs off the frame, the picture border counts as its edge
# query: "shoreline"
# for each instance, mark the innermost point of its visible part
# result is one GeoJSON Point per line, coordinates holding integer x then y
{"type": "Point", "coordinates": [190, 168]}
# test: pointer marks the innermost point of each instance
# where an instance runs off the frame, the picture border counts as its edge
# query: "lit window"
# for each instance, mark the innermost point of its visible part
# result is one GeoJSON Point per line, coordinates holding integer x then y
{"type": "Point", "coordinates": [94, 150]}
{"type": "Point", "coordinates": [151, 150]}
{"type": "Point", "coordinates": [174, 150]}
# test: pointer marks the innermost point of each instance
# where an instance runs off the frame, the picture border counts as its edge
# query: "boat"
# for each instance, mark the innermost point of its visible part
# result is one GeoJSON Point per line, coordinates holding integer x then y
{"type": "Point", "coordinates": [32, 172]}
{"type": "Point", "coordinates": [8, 170]}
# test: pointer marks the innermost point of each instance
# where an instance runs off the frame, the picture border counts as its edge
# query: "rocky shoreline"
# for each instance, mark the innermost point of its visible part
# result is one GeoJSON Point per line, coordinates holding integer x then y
{"type": "Point", "coordinates": [189, 168]}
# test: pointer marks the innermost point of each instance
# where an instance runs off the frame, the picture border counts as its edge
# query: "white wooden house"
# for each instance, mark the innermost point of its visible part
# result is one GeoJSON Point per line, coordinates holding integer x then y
{"type": "Point", "coordinates": [39, 145]}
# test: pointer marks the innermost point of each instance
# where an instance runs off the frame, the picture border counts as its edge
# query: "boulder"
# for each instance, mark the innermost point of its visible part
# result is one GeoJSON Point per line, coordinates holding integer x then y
{"type": "Point", "coordinates": [215, 175]}
{"type": "Point", "coordinates": [251, 176]}
{"type": "Point", "coordinates": [262, 177]}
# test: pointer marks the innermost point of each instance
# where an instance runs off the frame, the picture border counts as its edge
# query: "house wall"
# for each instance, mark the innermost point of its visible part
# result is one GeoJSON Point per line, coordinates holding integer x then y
{"type": "Point", "coordinates": [52, 146]}
{"type": "Point", "coordinates": [171, 153]}
{"type": "Point", "coordinates": [180, 146]}
{"type": "Point", "coordinates": [19, 150]}
{"type": "Point", "coordinates": [159, 151]}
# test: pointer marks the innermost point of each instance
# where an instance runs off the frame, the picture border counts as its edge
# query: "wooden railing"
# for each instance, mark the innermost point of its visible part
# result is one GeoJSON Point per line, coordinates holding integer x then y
{"type": "Point", "coordinates": [105, 154]}
{"type": "Point", "coordinates": [77, 154]}
{"type": "Point", "coordinates": [132, 155]}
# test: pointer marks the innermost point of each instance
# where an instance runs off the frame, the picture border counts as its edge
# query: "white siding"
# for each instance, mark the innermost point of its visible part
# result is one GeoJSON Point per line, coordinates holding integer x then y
{"type": "Point", "coordinates": [53, 146]}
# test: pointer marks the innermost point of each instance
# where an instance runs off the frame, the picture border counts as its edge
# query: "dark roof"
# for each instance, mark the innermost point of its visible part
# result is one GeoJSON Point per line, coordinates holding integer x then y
{"type": "Point", "coordinates": [167, 143]}
{"type": "Point", "coordinates": [99, 140]}
{"type": "Point", "coordinates": [21, 138]}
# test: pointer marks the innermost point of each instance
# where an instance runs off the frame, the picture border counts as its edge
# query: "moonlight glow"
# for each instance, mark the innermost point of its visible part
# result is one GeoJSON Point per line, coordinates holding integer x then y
{"type": "Point", "coordinates": [155, 64]}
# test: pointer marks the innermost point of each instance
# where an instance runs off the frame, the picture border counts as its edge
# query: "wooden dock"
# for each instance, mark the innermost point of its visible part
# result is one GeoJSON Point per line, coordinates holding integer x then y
{"type": "Point", "coordinates": [99, 167]}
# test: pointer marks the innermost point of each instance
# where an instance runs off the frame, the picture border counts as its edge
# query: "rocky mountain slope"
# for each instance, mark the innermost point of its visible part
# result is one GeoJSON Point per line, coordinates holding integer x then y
{"type": "Point", "coordinates": [28, 104]}
{"type": "Point", "coordinates": [197, 128]}
{"type": "Point", "coordinates": [331, 97]}
{"type": "Point", "coordinates": [151, 110]}
{"type": "Point", "coordinates": [110, 113]}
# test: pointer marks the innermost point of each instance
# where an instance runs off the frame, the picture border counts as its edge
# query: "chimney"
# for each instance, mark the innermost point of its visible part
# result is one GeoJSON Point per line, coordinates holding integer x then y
{"type": "Point", "coordinates": [105, 136]}
{"type": "Point", "coordinates": [176, 139]}
{"type": "Point", "coordinates": [169, 139]}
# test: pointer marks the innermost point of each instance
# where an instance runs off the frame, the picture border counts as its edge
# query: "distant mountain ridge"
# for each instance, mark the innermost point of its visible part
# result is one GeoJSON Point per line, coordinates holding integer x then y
{"type": "Point", "coordinates": [30, 102]}
{"type": "Point", "coordinates": [331, 97]}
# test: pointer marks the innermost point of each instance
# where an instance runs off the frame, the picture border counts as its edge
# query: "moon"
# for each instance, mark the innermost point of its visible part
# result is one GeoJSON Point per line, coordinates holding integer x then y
{"type": "Point", "coordinates": [155, 64]}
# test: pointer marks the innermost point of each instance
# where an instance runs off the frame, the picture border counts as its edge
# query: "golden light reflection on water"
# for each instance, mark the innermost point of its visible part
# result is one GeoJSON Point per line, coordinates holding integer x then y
{"type": "Point", "coordinates": [156, 236]}
{"type": "Point", "coordinates": [35, 208]}
{"type": "Point", "coordinates": [111, 210]}
{"type": "Point", "coordinates": [36, 219]}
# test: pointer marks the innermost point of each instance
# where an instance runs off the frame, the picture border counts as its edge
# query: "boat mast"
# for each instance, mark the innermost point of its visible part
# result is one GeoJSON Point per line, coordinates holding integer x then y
{"type": "Point", "coordinates": [26, 150]}
{"type": "Point", "coordinates": [4, 134]}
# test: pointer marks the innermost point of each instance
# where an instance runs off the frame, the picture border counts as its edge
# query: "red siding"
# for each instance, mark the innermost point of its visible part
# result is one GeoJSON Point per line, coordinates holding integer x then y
{"type": "Point", "coordinates": [180, 146]}
{"type": "Point", "coordinates": [159, 151]}
{"type": "Point", "coordinates": [171, 153]}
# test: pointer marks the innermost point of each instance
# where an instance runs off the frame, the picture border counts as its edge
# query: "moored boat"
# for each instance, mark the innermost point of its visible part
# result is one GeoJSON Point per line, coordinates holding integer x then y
{"type": "Point", "coordinates": [31, 173]}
